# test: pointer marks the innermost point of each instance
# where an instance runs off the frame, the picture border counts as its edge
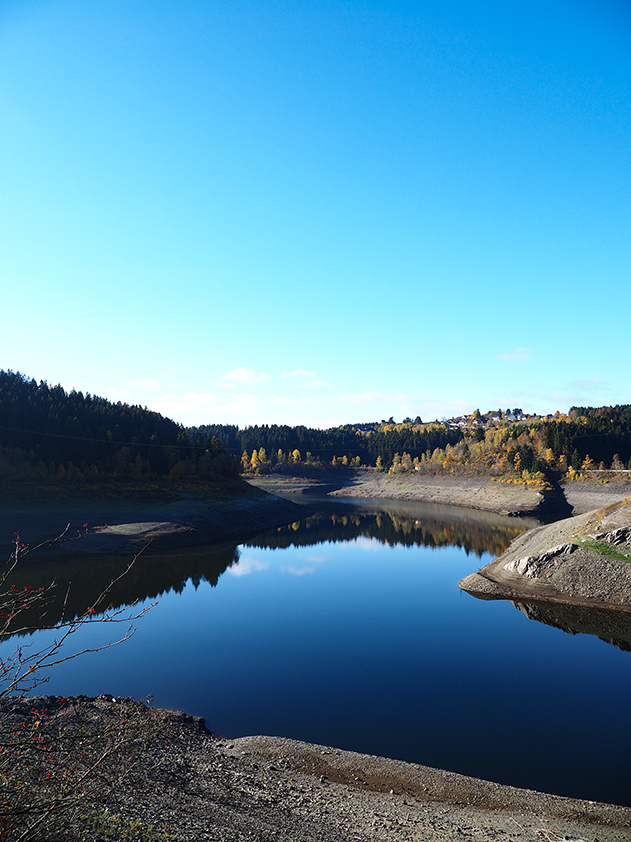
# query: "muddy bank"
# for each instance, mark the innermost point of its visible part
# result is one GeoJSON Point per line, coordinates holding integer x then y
{"type": "Point", "coordinates": [585, 560]}
{"type": "Point", "coordinates": [182, 782]}
{"type": "Point", "coordinates": [126, 525]}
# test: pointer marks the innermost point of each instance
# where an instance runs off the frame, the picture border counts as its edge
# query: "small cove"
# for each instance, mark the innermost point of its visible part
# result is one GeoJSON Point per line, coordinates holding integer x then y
{"type": "Point", "coordinates": [348, 629]}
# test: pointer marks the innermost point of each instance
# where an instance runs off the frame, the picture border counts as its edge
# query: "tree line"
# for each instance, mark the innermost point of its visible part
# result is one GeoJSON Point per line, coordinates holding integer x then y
{"type": "Point", "coordinates": [49, 434]}
{"type": "Point", "coordinates": [505, 444]}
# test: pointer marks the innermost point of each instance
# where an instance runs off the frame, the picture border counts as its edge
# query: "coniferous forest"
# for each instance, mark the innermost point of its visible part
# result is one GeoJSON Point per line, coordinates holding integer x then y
{"type": "Point", "coordinates": [50, 435]}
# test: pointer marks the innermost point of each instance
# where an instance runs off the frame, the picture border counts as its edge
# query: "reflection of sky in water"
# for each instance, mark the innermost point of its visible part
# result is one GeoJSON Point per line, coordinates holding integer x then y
{"type": "Point", "coordinates": [372, 647]}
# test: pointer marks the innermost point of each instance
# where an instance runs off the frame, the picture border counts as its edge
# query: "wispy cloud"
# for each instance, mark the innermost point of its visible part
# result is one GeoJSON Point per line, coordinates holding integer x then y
{"type": "Point", "coordinates": [578, 390]}
{"type": "Point", "coordinates": [245, 376]}
{"type": "Point", "coordinates": [300, 372]}
{"type": "Point", "coordinates": [374, 397]}
{"type": "Point", "coordinates": [143, 383]}
{"type": "Point", "coordinates": [306, 379]}
{"type": "Point", "coordinates": [594, 384]}
{"type": "Point", "coordinates": [517, 355]}
{"type": "Point", "coordinates": [297, 571]}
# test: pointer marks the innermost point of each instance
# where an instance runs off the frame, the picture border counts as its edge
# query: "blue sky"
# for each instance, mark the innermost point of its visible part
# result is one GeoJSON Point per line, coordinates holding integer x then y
{"type": "Point", "coordinates": [318, 212]}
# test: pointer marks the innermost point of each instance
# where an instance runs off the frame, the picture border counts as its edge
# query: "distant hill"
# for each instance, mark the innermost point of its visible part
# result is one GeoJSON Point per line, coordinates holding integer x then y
{"type": "Point", "coordinates": [48, 435]}
{"type": "Point", "coordinates": [503, 443]}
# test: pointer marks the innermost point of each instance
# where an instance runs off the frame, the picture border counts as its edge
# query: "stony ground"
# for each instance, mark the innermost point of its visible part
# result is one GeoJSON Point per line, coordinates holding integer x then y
{"type": "Point", "coordinates": [176, 781]}
{"type": "Point", "coordinates": [584, 560]}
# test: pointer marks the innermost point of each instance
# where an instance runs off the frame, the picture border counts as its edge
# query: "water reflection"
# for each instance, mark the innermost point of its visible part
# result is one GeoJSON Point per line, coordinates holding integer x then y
{"type": "Point", "coordinates": [610, 626]}
{"type": "Point", "coordinates": [409, 524]}
{"type": "Point", "coordinates": [80, 579]}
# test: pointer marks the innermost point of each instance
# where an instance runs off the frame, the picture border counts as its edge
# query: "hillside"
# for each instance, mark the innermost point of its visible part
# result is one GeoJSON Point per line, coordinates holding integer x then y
{"type": "Point", "coordinates": [505, 444]}
{"type": "Point", "coordinates": [66, 439]}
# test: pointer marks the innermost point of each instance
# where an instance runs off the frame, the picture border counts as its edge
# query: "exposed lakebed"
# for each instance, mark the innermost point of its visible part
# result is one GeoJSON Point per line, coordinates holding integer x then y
{"type": "Point", "coordinates": [348, 629]}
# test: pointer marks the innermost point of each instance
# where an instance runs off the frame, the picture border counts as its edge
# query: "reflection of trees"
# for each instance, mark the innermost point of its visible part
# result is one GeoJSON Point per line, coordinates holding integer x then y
{"type": "Point", "coordinates": [390, 527]}
{"type": "Point", "coordinates": [84, 578]}
{"type": "Point", "coordinates": [611, 626]}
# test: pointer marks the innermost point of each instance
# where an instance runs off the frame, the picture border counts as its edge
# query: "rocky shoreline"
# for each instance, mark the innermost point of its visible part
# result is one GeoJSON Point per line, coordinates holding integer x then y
{"type": "Point", "coordinates": [581, 561]}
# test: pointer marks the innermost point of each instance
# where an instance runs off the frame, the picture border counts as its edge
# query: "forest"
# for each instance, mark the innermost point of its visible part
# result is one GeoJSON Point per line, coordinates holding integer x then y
{"type": "Point", "coordinates": [50, 435]}
{"type": "Point", "coordinates": [505, 443]}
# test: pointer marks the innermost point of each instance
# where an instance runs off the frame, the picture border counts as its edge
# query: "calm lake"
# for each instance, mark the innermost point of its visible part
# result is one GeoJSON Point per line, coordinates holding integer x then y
{"type": "Point", "coordinates": [348, 629]}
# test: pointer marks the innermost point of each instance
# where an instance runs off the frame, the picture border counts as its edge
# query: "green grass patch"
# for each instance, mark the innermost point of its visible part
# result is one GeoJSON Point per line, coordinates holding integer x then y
{"type": "Point", "coordinates": [601, 547]}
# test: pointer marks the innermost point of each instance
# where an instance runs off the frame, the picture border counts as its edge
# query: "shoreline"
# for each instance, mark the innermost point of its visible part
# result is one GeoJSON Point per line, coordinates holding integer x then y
{"type": "Point", "coordinates": [284, 789]}
{"type": "Point", "coordinates": [119, 525]}
{"type": "Point", "coordinates": [584, 561]}
{"type": "Point", "coordinates": [194, 785]}
{"type": "Point", "coordinates": [573, 497]}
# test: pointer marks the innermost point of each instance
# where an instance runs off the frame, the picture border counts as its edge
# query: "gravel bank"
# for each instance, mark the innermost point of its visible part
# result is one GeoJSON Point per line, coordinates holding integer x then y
{"type": "Point", "coordinates": [585, 560]}
{"type": "Point", "coordinates": [482, 493]}
{"type": "Point", "coordinates": [185, 784]}
{"type": "Point", "coordinates": [585, 495]}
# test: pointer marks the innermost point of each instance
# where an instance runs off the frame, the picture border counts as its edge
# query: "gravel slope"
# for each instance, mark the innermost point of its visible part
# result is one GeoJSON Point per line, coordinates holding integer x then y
{"type": "Point", "coordinates": [585, 560]}
{"type": "Point", "coordinates": [182, 783]}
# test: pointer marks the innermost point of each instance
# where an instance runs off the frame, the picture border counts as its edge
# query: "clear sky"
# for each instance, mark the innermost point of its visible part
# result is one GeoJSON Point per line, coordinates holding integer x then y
{"type": "Point", "coordinates": [282, 211]}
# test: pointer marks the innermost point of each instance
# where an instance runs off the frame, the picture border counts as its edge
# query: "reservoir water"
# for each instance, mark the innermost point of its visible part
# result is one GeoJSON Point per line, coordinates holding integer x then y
{"type": "Point", "coordinates": [348, 629]}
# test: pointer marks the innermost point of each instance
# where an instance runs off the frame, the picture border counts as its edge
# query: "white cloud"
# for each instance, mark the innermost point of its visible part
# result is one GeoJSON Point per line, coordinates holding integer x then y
{"type": "Point", "coordinates": [114, 394]}
{"type": "Point", "coordinates": [297, 571]}
{"type": "Point", "coordinates": [307, 378]}
{"type": "Point", "coordinates": [245, 566]}
{"type": "Point", "coordinates": [368, 545]}
{"type": "Point", "coordinates": [245, 376]}
{"type": "Point", "coordinates": [517, 355]}
{"type": "Point", "coordinates": [207, 407]}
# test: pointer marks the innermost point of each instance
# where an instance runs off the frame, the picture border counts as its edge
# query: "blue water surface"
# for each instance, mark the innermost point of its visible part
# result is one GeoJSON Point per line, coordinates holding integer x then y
{"type": "Point", "coordinates": [371, 646]}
